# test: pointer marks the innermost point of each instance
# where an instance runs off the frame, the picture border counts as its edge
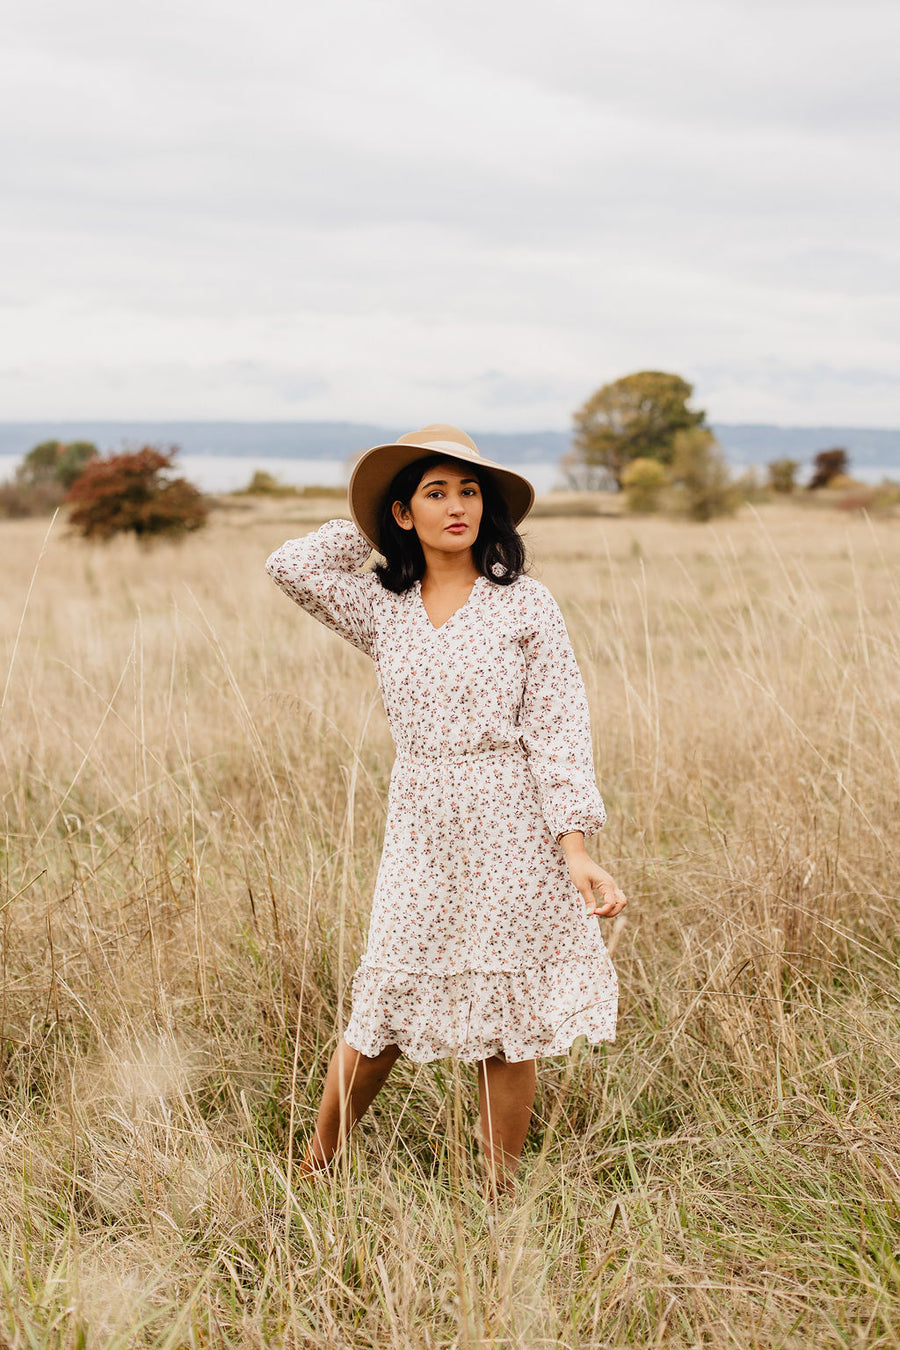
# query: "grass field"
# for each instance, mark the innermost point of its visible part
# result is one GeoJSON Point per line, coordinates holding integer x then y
{"type": "Point", "coordinates": [194, 777]}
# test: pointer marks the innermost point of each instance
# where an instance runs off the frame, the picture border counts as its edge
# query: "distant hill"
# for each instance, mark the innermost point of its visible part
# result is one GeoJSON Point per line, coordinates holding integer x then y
{"type": "Point", "coordinates": [758, 442]}
{"type": "Point", "coordinates": [282, 440]}
{"type": "Point", "coordinates": [744, 443]}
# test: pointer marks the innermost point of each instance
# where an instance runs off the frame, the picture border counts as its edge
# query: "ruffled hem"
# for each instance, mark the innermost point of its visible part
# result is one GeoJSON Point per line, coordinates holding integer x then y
{"type": "Point", "coordinates": [518, 1014]}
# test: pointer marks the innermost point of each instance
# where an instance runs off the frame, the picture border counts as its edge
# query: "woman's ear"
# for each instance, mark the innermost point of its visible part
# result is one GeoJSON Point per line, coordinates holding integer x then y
{"type": "Point", "coordinates": [402, 516]}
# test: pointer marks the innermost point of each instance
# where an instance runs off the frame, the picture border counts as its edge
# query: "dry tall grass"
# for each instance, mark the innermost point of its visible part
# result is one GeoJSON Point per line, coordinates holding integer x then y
{"type": "Point", "coordinates": [194, 790]}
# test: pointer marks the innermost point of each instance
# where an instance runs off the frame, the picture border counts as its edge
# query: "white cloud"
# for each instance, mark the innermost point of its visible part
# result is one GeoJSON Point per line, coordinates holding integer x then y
{"type": "Point", "coordinates": [348, 211]}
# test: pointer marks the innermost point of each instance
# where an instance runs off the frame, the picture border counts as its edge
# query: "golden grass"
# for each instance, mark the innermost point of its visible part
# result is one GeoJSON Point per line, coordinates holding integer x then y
{"type": "Point", "coordinates": [194, 779]}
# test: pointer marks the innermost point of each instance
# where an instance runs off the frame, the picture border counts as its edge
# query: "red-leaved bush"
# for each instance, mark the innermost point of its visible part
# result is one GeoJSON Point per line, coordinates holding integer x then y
{"type": "Point", "coordinates": [132, 493]}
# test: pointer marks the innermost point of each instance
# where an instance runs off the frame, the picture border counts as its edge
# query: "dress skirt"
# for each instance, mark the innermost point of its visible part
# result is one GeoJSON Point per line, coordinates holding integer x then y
{"type": "Point", "coordinates": [478, 942]}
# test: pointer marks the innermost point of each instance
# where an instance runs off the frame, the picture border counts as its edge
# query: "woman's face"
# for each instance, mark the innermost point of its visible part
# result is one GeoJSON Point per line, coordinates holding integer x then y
{"type": "Point", "coordinates": [445, 509]}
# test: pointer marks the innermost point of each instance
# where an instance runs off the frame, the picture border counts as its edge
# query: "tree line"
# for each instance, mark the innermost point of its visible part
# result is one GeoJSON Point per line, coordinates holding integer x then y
{"type": "Point", "coordinates": [129, 493]}
{"type": "Point", "coordinates": [638, 435]}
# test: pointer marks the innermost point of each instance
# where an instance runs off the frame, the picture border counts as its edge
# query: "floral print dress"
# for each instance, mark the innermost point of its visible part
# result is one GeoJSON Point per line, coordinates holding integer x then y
{"type": "Point", "coordinates": [479, 944]}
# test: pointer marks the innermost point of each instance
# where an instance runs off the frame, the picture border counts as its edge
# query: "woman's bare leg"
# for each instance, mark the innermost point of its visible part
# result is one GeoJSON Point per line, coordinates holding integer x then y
{"type": "Point", "coordinates": [352, 1083]}
{"type": "Point", "coordinates": [506, 1097]}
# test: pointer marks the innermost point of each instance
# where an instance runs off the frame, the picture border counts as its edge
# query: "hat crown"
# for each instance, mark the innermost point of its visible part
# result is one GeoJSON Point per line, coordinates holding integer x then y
{"type": "Point", "coordinates": [438, 432]}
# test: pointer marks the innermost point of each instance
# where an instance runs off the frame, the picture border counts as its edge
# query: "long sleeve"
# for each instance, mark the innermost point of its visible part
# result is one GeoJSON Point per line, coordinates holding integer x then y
{"type": "Point", "coordinates": [319, 572]}
{"type": "Point", "coordinates": [554, 724]}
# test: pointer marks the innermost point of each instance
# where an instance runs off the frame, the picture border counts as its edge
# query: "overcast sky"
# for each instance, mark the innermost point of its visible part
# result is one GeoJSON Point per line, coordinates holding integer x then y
{"type": "Point", "coordinates": [473, 211]}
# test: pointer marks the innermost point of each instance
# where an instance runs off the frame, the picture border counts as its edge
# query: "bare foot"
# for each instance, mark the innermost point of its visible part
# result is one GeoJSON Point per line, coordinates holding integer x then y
{"type": "Point", "coordinates": [500, 1190]}
{"type": "Point", "coordinates": [310, 1166]}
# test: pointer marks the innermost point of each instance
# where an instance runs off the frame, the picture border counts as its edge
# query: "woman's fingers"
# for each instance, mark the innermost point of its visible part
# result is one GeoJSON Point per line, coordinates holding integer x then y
{"type": "Point", "coordinates": [611, 904]}
{"type": "Point", "coordinates": [590, 878]}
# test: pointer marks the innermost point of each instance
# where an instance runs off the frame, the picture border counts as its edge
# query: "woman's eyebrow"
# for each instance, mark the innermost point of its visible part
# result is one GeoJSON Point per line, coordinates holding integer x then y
{"type": "Point", "coordinates": [442, 482]}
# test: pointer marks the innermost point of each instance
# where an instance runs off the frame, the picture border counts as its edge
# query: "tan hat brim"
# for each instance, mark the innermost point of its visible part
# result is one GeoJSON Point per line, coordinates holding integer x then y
{"type": "Point", "coordinates": [374, 471]}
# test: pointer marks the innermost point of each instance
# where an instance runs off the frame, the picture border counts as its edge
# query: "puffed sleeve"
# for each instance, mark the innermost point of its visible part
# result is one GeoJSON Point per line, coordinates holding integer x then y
{"type": "Point", "coordinates": [554, 724]}
{"type": "Point", "coordinates": [319, 572]}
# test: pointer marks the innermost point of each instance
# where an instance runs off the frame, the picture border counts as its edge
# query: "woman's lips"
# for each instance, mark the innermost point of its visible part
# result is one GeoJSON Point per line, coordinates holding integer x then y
{"type": "Point", "coordinates": [457, 529]}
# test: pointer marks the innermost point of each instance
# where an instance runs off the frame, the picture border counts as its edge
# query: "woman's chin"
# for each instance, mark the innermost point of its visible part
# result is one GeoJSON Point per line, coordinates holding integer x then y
{"type": "Point", "coordinates": [455, 543]}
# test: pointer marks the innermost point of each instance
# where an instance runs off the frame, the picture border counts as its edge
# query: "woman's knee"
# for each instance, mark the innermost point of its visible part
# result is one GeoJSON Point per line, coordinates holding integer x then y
{"type": "Point", "coordinates": [389, 1052]}
{"type": "Point", "coordinates": [512, 1068]}
{"type": "Point", "coordinates": [373, 1065]}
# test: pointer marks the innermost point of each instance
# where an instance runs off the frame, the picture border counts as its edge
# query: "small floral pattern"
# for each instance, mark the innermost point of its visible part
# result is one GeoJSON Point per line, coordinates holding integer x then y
{"type": "Point", "coordinates": [478, 944]}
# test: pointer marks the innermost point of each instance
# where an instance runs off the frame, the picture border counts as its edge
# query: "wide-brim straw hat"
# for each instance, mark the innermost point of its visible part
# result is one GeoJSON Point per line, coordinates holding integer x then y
{"type": "Point", "coordinates": [374, 471]}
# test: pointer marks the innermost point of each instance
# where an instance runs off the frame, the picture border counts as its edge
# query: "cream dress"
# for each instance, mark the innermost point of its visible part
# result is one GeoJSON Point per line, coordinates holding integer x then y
{"type": "Point", "coordinates": [478, 944]}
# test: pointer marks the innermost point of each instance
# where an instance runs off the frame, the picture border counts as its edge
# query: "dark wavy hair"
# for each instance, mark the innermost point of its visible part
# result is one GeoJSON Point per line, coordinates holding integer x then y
{"type": "Point", "coordinates": [498, 542]}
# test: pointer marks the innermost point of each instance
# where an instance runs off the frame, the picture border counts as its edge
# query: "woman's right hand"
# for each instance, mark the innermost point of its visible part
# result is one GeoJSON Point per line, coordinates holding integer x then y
{"type": "Point", "coordinates": [588, 876]}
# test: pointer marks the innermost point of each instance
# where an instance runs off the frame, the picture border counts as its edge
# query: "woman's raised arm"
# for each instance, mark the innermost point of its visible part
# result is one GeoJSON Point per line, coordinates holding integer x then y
{"type": "Point", "coordinates": [319, 572]}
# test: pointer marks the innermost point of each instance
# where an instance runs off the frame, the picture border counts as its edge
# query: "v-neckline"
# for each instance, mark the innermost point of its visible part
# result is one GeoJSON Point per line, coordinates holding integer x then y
{"type": "Point", "coordinates": [439, 628]}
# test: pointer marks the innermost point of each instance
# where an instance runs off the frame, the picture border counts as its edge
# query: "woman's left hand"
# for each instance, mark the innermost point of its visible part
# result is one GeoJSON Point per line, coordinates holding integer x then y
{"type": "Point", "coordinates": [588, 877]}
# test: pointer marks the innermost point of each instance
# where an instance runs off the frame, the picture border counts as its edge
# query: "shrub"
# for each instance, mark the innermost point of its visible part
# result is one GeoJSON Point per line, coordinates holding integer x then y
{"type": "Point", "coordinates": [703, 487]}
{"type": "Point", "coordinates": [130, 493]}
{"type": "Point", "coordinates": [263, 484]}
{"type": "Point", "coordinates": [880, 500]}
{"type": "Point", "coordinates": [18, 501]}
{"type": "Point", "coordinates": [860, 499]}
{"type": "Point", "coordinates": [643, 481]}
{"type": "Point", "coordinates": [827, 465]}
{"type": "Point", "coordinates": [750, 488]}
{"type": "Point", "coordinates": [844, 482]}
{"type": "Point", "coordinates": [783, 475]}
{"type": "Point", "coordinates": [887, 495]}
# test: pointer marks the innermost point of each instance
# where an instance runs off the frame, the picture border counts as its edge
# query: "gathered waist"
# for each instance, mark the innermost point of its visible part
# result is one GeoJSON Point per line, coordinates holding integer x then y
{"type": "Point", "coordinates": [463, 755]}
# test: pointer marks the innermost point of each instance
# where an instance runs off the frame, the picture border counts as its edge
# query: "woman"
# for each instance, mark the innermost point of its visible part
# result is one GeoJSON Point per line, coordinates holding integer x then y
{"type": "Point", "coordinates": [480, 945]}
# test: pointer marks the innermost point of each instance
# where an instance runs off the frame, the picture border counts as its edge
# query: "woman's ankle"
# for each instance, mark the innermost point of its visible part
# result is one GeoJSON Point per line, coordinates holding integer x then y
{"type": "Point", "coordinates": [500, 1187]}
{"type": "Point", "coordinates": [311, 1164]}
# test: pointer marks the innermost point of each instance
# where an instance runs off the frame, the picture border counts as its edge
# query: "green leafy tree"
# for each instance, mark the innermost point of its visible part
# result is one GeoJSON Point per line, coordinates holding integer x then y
{"type": "Point", "coordinates": [702, 482]}
{"type": "Point", "coordinates": [41, 481]}
{"type": "Point", "coordinates": [55, 462]}
{"type": "Point", "coordinates": [39, 465]}
{"type": "Point", "coordinates": [132, 493]}
{"type": "Point", "coordinates": [783, 475]}
{"type": "Point", "coordinates": [635, 417]}
{"type": "Point", "coordinates": [73, 461]}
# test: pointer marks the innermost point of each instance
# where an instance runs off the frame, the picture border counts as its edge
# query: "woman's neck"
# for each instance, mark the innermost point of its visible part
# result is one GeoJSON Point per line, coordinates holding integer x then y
{"type": "Point", "coordinates": [448, 571]}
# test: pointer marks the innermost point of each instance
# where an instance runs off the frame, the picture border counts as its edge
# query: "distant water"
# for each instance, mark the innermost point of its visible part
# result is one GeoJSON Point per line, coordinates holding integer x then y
{"type": "Point", "coordinates": [225, 473]}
